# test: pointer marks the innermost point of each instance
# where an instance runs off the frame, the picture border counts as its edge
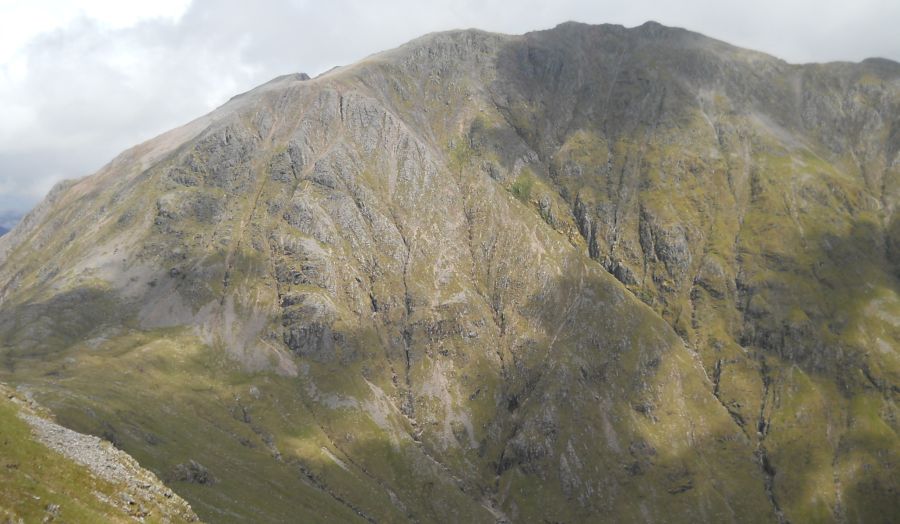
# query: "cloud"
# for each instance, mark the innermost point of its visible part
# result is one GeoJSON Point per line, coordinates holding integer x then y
{"type": "Point", "coordinates": [80, 84]}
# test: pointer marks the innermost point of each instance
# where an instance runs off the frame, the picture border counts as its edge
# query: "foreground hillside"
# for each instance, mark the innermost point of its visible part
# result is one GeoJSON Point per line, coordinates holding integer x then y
{"type": "Point", "coordinates": [52, 474]}
{"type": "Point", "coordinates": [586, 271]}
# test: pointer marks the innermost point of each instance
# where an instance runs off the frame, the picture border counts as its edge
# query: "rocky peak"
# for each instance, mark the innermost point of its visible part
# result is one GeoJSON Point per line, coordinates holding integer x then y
{"type": "Point", "coordinates": [613, 271]}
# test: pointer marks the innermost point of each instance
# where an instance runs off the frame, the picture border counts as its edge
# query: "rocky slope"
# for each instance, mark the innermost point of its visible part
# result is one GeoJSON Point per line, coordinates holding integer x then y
{"type": "Point", "coordinates": [82, 479]}
{"type": "Point", "coordinates": [584, 271]}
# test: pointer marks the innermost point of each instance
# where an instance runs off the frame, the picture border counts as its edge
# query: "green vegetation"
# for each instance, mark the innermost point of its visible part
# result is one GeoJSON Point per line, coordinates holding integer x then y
{"type": "Point", "coordinates": [42, 485]}
{"type": "Point", "coordinates": [35, 479]}
{"type": "Point", "coordinates": [522, 186]}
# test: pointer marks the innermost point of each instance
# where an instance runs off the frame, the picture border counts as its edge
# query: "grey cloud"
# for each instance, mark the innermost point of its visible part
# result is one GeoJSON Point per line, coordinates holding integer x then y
{"type": "Point", "coordinates": [93, 91]}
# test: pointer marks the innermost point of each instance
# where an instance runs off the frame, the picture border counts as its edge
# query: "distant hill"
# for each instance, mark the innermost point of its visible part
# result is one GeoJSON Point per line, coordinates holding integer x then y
{"type": "Point", "coordinates": [8, 220]}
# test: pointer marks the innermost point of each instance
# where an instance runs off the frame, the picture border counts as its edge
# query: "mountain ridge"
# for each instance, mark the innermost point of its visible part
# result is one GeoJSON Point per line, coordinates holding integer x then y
{"type": "Point", "coordinates": [878, 61]}
{"type": "Point", "coordinates": [637, 299]}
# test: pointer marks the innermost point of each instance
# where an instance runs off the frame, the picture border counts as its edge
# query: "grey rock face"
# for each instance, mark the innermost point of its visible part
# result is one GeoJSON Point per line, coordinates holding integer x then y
{"type": "Point", "coordinates": [192, 472]}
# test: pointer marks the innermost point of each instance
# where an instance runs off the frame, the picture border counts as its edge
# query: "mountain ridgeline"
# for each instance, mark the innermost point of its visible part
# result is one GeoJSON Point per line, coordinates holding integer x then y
{"type": "Point", "coordinates": [584, 274]}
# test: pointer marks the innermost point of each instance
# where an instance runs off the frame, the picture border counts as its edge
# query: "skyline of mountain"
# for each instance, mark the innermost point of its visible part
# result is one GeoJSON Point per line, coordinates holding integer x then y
{"type": "Point", "coordinates": [590, 270]}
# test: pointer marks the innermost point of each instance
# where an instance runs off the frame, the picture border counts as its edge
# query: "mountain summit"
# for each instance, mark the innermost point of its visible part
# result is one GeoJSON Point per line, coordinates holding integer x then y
{"type": "Point", "coordinates": [580, 274]}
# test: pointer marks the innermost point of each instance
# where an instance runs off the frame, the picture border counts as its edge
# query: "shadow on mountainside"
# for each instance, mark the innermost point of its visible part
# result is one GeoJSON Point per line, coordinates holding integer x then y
{"type": "Point", "coordinates": [592, 410]}
{"type": "Point", "coordinates": [41, 330]}
{"type": "Point", "coordinates": [827, 451]}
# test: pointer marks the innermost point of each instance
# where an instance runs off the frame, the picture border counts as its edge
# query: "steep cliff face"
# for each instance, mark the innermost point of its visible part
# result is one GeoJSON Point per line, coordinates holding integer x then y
{"type": "Point", "coordinates": [585, 271]}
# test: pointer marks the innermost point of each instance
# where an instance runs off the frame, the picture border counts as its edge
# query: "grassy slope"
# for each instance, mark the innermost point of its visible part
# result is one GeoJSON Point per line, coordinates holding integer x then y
{"type": "Point", "coordinates": [172, 400]}
{"type": "Point", "coordinates": [35, 479]}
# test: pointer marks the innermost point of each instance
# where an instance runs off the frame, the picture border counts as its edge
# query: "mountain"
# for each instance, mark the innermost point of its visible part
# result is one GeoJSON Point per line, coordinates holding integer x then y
{"type": "Point", "coordinates": [81, 480]}
{"type": "Point", "coordinates": [3, 231]}
{"type": "Point", "coordinates": [589, 271]}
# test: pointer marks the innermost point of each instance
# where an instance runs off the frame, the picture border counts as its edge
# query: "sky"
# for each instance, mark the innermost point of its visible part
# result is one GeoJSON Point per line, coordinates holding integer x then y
{"type": "Point", "coordinates": [80, 81]}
